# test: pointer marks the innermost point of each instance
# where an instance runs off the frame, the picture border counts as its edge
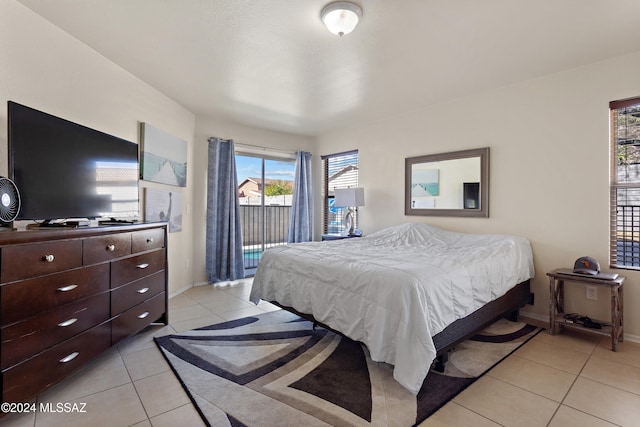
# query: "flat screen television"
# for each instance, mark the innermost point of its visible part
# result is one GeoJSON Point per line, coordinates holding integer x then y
{"type": "Point", "coordinates": [64, 170]}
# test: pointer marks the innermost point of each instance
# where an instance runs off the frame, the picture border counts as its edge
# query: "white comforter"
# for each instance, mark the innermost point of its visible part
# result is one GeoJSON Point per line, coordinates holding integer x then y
{"type": "Point", "coordinates": [395, 289]}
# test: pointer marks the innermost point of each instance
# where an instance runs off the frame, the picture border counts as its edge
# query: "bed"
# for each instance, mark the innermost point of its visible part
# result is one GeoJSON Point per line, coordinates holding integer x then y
{"type": "Point", "coordinates": [408, 292]}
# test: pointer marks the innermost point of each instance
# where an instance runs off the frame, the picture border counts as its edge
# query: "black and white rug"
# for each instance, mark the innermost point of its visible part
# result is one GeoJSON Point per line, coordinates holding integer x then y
{"type": "Point", "coordinates": [276, 370]}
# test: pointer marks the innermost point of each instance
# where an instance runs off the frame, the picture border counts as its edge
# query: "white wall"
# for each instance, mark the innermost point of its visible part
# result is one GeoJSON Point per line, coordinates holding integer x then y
{"type": "Point", "coordinates": [45, 68]}
{"type": "Point", "coordinates": [549, 169]}
{"type": "Point", "coordinates": [209, 127]}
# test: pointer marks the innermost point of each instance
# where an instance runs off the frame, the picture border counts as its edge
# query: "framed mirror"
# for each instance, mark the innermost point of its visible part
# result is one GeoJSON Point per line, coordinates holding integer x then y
{"type": "Point", "coordinates": [448, 184]}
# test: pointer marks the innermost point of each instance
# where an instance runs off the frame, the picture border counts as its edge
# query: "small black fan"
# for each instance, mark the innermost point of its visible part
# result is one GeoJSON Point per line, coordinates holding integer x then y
{"type": "Point", "coordinates": [9, 202]}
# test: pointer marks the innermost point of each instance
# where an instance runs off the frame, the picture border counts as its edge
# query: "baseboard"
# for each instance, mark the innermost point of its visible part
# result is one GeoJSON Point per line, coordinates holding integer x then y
{"type": "Point", "coordinates": [247, 280]}
{"type": "Point", "coordinates": [179, 291]}
{"type": "Point", "coordinates": [219, 284]}
{"type": "Point", "coordinates": [632, 338]}
{"type": "Point", "coordinates": [200, 284]}
{"type": "Point", "coordinates": [534, 316]}
{"type": "Point", "coordinates": [543, 318]}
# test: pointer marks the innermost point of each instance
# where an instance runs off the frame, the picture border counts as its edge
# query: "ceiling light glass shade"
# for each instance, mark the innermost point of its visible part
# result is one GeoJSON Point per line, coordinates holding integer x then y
{"type": "Point", "coordinates": [341, 17]}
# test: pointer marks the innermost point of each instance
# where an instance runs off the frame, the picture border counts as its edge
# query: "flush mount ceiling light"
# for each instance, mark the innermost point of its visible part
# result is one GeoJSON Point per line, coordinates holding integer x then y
{"type": "Point", "coordinates": [341, 17]}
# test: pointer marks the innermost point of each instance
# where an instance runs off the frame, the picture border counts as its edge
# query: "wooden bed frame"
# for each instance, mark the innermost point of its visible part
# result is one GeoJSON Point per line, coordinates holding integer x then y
{"type": "Point", "coordinates": [507, 305]}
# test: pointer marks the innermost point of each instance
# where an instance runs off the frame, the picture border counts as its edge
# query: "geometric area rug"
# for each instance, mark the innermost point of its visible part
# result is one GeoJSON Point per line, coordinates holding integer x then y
{"type": "Point", "coordinates": [275, 369]}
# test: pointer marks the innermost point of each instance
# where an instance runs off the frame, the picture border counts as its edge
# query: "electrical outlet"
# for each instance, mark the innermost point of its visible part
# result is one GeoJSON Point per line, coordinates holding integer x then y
{"type": "Point", "coordinates": [592, 292]}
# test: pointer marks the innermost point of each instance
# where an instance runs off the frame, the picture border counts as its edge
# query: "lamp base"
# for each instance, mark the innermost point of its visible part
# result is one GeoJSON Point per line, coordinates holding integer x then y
{"type": "Point", "coordinates": [348, 221]}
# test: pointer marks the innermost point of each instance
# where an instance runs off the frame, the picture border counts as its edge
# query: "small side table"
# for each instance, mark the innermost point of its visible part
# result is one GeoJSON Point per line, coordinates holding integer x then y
{"type": "Point", "coordinates": [556, 304]}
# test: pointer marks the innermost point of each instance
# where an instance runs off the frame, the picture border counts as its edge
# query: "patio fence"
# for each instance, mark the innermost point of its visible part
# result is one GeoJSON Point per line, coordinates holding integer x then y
{"type": "Point", "coordinates": [627, 242]}
{"type": "Point", "coordinates": [255, 238]}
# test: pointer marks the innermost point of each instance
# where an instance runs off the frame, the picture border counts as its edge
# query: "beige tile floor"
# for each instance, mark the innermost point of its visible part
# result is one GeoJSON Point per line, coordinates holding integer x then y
{"type": "Point", "coordinates": [570, 379]}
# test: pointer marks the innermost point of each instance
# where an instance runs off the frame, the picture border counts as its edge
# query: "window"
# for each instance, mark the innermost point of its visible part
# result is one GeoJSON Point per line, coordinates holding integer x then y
{"type": "Point", "coordinates": [625, 183]}
{"type": "Point", "coordinates": [339, 171]}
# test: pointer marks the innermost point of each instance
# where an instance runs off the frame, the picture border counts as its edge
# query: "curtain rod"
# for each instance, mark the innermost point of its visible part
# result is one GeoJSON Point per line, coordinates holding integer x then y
{"type": "Point", "coordinates": [256, 147]}
{"type": "Point", "coordinates": [241, 145]}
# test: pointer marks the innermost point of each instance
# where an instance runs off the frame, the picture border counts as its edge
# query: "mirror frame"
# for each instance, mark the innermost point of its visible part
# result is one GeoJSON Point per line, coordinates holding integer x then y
{"type": "Point", "coordinates": [482, 211]}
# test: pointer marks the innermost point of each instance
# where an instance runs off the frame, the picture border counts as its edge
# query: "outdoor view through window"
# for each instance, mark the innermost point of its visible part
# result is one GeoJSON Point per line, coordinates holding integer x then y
{"type": "Point", "coordinates": [265, 189]}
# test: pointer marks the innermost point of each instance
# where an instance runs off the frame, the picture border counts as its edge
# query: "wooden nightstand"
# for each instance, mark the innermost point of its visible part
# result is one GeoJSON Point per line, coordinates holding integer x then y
{"type": "Point", "coordinates": [556, 304]}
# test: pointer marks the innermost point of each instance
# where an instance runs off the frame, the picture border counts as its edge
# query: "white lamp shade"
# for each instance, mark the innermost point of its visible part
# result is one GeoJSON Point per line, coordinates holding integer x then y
{"type": "Point", "coordinates": [341, 17]}
{"type": "Point", "coordinates": [348, 197]}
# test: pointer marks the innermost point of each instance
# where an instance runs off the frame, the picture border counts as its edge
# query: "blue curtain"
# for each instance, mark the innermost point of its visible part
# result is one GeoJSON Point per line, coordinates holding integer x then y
{"type": "Point", "coordinates": [224, 234]}
{"type": "Point", "coordinates": [301, 219]}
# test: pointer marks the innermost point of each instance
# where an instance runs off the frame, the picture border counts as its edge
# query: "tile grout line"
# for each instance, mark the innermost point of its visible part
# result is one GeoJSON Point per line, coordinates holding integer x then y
{"type": "Point", "coordinates": [135, 389]}
{"type": "Point", "coordinates": [591, 354]}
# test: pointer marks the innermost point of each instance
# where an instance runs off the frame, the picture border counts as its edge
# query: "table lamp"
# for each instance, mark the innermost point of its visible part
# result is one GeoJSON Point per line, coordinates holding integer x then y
{"type": "Point", "coordinates": [349, 198]}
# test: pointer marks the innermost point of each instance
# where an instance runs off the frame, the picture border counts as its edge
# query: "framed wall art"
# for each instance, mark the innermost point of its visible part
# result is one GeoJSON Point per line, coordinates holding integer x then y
{"type": "Point", "coordinates": [163, 157]}
{"type": "Point", "coordinates": [165, 206]}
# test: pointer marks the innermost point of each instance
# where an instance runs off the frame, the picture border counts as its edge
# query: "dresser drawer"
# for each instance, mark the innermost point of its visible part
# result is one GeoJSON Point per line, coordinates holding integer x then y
{"type": "Point", "coordinates": [146, 240]}
{"type": "Point", "coordinates": [23, 381]}
{"type": "Point", "coordinates": [105, 248]}
{"type": "Point", "coordinates": [136, 267]}
{"type": "Point", "coordinates": [137, 318]}
{"type": "Point", "coordinates": [125, 297]}
{"type": "Point", "coordinates": [22, 300]}
{"type": "Point", "coordinates": [24, 339]}
{"type": "Point", "coordinates": [37, 259]}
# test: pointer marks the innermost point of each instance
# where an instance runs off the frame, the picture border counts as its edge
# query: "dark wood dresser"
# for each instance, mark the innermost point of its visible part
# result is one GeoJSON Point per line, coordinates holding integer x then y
{"type": "Point", "coordinates": [67, 295]}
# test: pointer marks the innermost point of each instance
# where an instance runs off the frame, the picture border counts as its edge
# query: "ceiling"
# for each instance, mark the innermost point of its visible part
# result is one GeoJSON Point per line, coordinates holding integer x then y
{"type": "Point", "coordinates": [272, 63]}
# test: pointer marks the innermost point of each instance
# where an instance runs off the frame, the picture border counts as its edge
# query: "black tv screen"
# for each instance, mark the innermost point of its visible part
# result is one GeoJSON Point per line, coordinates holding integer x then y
{"type": "Point", "coordinates": [65, 170]}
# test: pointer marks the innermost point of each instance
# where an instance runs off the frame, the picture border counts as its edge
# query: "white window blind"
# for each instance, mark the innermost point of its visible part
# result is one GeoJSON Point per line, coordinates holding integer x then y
{"type": "Point", "coordinates": [339, 171]}
{"type": "Point", "coordinates": [625, 183]}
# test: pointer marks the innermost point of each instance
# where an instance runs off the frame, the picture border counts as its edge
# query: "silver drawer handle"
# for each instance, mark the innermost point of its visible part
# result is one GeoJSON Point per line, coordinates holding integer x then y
{"type": "Point", "coordinates": [150, 240]}
{"type": "Point", "coordinates": [143, 315]}
{"type": "Point", "coordinates": [111, 248]}
{"type": "Point", "coordinates": [70, 357]}
{"type": "Point", "coordinates": [68, 322]}
{"type": "Point", "coordinates": [67, 288]}
{"type": "Point", "coordinates": [145, 265]}
{"type": "Point", "coordinates": [142, 291]}
{"type": "Point", "coordinates": [48, 258]}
